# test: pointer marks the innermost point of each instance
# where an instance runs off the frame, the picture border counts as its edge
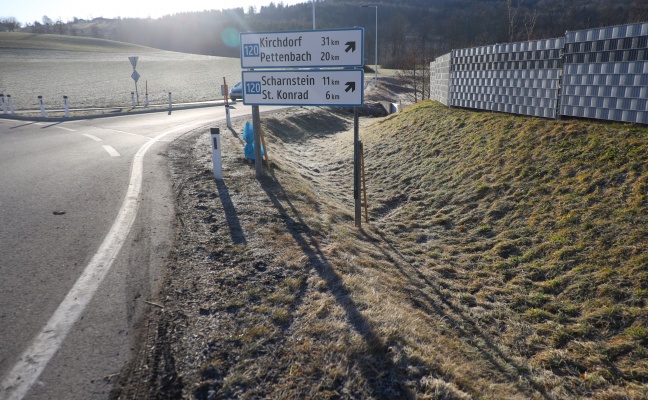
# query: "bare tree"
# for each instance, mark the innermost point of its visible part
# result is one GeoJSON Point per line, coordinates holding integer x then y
{"type": "Point", "coordinates": [414, 73]}
{"type": "Point", "coordinates": [37, 27]}
{"type": "Point", "coordinates": [96, 33]}
{"type": "Point", "coordinates": [59, 27]}
{"type": "Point", "coordinates": [10, 23]}
{"type": "Point", "coordinates": [637, 11]}
{"type": "Point", "coordinates": [512, 12]}
{"type": "Point", "coordinates": [530, 21]}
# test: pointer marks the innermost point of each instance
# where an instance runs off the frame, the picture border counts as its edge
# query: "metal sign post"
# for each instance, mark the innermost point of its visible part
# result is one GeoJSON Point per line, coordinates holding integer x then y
{"type": "Point", "coordinates": [340, 48]}
{"type": "Point", "coordinates": [256, 125]}
{"type": "Point", "coordinates": [135, 75]}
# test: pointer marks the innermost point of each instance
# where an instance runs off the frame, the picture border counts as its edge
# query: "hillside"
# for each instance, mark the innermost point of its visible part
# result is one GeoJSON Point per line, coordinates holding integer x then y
{"type": "Point", "coordinates": [31, 41]}
{"type": "Point", "coordinates": [505, 258]}
{"type": "Point", "coordinates": [427, 27]}
{"type": "Point", "coordinates": [97, 72]}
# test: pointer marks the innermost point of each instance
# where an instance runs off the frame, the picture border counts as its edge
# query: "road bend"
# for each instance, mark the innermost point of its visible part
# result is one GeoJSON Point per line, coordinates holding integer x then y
{"type": "Point", "coordinates": [86, 224]}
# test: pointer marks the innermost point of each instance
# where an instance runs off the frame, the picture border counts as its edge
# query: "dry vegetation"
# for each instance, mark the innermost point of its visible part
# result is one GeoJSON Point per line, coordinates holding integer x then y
{"type": "Point", "coordinates": [505, 258]}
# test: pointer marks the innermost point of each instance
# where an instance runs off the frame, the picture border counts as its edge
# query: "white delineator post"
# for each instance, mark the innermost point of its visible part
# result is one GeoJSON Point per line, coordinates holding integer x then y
{"type": "Point", "coordinates": [170, 104]}
{"type": "Point", "coordinates": [11, 107]}
{"type": "Point", "coordinates": [216, 153]}
{"type": "Point", "coordinates": [67, 108]}
{"type": "Point", "coordinates": [42, 106]}
{"type": "Point", "coordinates": [4, 106]}
{"type": "Point", "coordinates": [133, 99]}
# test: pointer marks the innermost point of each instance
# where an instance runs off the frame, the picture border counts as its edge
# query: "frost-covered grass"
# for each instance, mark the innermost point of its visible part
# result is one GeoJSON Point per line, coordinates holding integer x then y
{"type": "Point", "coordinates": [97, 73]}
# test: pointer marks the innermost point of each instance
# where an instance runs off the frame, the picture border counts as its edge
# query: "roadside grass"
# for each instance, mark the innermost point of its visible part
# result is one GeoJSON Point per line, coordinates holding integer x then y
{"type": "Point", "coordinates": [505, 258]}
{"type": "Point", "coordinates": [534, 229]}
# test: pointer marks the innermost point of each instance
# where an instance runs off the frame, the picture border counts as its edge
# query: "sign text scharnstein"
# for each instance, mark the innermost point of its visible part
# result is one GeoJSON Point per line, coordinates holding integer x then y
{"type": "Point", "coordinates": [297, 81]}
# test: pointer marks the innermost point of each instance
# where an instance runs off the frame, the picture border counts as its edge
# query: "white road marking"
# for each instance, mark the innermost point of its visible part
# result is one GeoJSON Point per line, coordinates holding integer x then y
{"type": "Point", "coordinates": [33, 360]}
{"type": "Point", "coordinates": [117, 130]}
{"type": "Point", "coordinates": [64, 128]}
{"type": "Point", "coordinates": [55, 126]}
{"type": "Point", "coordinates": [96, 139]}
{"type": "Point", "coordinates": [111, 151]}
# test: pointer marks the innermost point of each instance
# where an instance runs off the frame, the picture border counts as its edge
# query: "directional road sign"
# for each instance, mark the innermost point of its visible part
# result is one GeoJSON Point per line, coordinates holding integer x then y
{"type": "Point", "coordinates": [304, 87]}
{"type": "Point", "coordinates": [303, 49]}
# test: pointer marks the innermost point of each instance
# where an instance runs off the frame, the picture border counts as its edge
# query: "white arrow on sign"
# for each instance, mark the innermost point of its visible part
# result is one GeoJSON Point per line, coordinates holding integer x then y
{"type": "Point", "coordinates": [304, 88]}
{"type": "Point", "coordinates": [303, 49]}
{"type": "Point", "coordinates": [133, 61]}
{"type": "Point", "coordinates": [135, 75]}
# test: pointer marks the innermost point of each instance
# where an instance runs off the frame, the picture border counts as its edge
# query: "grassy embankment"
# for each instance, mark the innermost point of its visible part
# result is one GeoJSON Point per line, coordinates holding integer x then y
{"type": "Point", "coordinates": [506, 258]}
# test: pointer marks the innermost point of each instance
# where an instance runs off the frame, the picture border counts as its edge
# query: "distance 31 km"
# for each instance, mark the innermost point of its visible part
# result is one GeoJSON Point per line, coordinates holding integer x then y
{"type": "Point", "coordinates": [303, 49]}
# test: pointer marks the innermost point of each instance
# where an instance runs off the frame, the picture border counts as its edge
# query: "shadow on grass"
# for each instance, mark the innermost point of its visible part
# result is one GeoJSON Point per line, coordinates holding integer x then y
{"type": "Point", "coordinates": [237, 135]}
{"type": "Point", "coordinates": [455, 317]}
{"type": "Point", "coordinates": [308, 125]}
{"type": "Point", "coordinates": [377, 365]}
{"type": "Point", "coordinates": [236, 231]}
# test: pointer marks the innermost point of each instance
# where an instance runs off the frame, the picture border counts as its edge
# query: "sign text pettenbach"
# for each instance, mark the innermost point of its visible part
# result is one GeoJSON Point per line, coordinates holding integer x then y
{"type": "Point", "coordinates": [303, 49]}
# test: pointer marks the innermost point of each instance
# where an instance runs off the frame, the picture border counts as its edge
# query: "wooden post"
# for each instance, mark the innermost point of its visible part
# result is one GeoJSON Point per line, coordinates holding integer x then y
{"type": "Point", "coordinates": [265, 148]}
{"type": "Point", "coordinates": [356, 169]}
{"type": "Point", "coordinates": [364, 183]}
{"type": "Point", "coordinates": [256, 124]}
{"type": "Point", "coordinates": [226, 94]}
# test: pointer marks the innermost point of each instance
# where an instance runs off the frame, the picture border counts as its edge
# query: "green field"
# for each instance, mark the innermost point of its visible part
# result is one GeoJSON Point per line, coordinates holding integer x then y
{"type": "Point", "coordinates": [97, 73]}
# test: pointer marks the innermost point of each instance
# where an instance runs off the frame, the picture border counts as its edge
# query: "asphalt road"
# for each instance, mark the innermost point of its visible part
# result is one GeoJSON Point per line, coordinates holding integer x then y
{"type": "Point", "coordinates": [64, 191]}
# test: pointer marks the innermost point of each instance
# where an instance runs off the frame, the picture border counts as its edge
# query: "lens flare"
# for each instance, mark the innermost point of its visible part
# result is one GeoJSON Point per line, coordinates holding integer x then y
{"type": "Point", "coordinates": [231, 37]}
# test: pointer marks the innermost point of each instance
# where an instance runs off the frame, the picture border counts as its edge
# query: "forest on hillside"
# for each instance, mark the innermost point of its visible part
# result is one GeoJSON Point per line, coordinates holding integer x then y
{"type": "Point", "coordinates": [407, 29]}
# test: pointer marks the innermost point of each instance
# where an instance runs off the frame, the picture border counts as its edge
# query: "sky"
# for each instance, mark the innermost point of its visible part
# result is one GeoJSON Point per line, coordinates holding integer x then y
{"type": "Point", "coordinates": [34, 10]}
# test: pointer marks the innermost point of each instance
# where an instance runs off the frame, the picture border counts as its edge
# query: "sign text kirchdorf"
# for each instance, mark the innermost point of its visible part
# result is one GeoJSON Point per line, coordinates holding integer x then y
{"type": "Point", "coordinates": [303, 49]}
{"type": "Point", "coordinates": [304, 87]}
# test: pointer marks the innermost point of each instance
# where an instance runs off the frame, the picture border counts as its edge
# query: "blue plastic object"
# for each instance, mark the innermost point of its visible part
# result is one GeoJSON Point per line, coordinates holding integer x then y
{"type": "Point", "coordinates": [248, 136]}
{"type": "Point", "coordinates": [248, 133]}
